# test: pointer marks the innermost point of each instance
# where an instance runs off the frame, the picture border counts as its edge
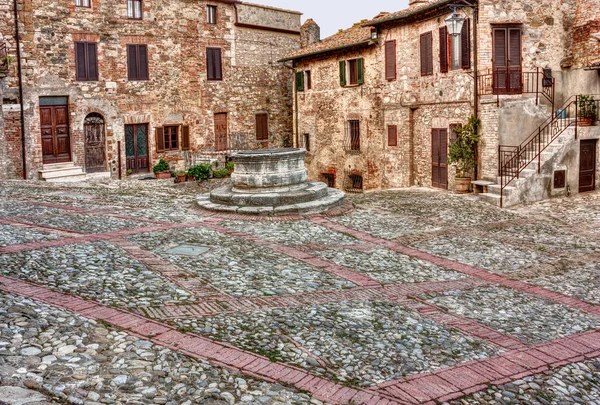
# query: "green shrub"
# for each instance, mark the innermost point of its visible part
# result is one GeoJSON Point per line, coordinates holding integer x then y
{"type": "Point", "coordinates": [462, 151]}
{"type": "Point", "coordinates": [221, 173]}
{"type": "Point", "coordinates": [200, 171]}
{"type": "Point", "coordinates": [161, 166]}
{"type": "Point", "coordinates": [229, 166]}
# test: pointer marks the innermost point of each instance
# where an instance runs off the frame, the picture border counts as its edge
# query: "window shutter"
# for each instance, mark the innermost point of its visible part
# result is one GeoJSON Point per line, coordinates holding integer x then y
{"type": "Point", "coordinates": [444, 49]}
{"type": "Point", "coordinates": [300, 81]}
{"type": "Point", "coordinates": [185, 137]}
{"type": "Point", "coordinates": [262, 127]}
{"type": "Point", "coordinates": [390, 60]}
{"type": "Point", "coordinates": [360, 67]}
{"type": "Point", "coordinates": [392, 135]}
{"type": "Point", "coordinates": [342, 73]}
{"type": "Point", "coordinates": [210, 64]}
{"type": "Point", "coordinates": [499, 47]}
{"type": "Point", "coordinates": [160, 139]}
{"type": "Point", "coordinates": [429, 43]}
{"type": "Point", "coordinates": [131, 62]}
{"type": "Point", "coordinates": [143, 62]}
{"type": "Point", "coordinates": [514, 53]}
{"type": "Point", "coordinates": [80, 64]}
{"type": "Point", "coordinates": [423, 48]}
{"type": "Point", "coordinates": [465, 45]}
{"type": "Point", "coordinates": [218, 64]}
{"type": "Point", "coordinates": [92, 53]}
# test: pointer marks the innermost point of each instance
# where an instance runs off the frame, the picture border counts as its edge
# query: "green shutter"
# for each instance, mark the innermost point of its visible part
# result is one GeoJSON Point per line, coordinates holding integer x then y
{"type": "Point", "coordinates": [361, 70]}
{"type": "Point", "coordinates": [300, 81]}
{"type": "Point", "coordinates": [342, 73]}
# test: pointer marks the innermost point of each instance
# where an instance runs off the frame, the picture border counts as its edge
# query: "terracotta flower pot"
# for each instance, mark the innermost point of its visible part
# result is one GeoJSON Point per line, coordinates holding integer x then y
{"type": "Point", "coordinates": [181, 178]}
{"type": "Point", "coordinates": [463, 184]}
{"type": "Point", "coordinates": [585, 121]}
{"type": "Point", "coordinates": [163, 175]}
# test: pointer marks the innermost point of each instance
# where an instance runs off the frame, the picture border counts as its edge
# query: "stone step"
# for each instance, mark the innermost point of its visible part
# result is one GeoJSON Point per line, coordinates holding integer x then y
{"type": "Point", "coordinates": [56, 173]}
{"type": "Point", "coordinates": [495, 189]}
{"type": "Point", "coordinates": [493, 199]}
{"type": "Point", "coordinates": [68, 179]}
{"type": "Point", "coordinates": [482, 183]}
{"type": "Point", "coordinates": [57, 166]}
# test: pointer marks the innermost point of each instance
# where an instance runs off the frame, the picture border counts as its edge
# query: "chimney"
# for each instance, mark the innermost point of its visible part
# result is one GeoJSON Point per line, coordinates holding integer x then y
{"type": "Point", "coordinates": [310, 33]}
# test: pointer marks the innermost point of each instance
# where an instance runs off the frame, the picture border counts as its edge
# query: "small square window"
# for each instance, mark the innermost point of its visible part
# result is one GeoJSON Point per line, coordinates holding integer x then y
{"type": "Point", "coordinates": [83, 3]}
{"type": "Point", "coordinates": [211, 14]}
{"type": "Point", "coordinates": [134, 9]}
{"type": "Point", "coordinates": [352, 72]}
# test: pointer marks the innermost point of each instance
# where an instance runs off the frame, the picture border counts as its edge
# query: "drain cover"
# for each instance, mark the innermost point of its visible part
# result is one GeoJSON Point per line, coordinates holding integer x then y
{"type": "Point", "coordinates": [188, 250]}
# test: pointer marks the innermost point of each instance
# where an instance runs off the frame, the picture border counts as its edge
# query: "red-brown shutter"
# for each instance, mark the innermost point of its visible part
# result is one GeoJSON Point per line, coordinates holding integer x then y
{"type": "Point", "coordinates": [160, 139]}
{"type": "Point", "coordinates": [132, 62]}
{"type": "Point", "coordinates": [262, 127]}
{"type": "Point", "coordinates": [185, 137]}
{"type": "Point", "coordinates": [499, 51]}
{"type": "Point", "coordinates": [80, 61]}
{"type": "Point", "coordinates": [392, 135]}
{"type": "Point", "coordinates": [390, 60]}
{"type": "Point", "coordinates": [430, 53]}
{"type": "Point", "coordinates": [444, 49]}
{"type": "Point", "coordinates": [92, 53]}
{"type": "Point", "coordinates": [514, 53]}
{"type": "Point", "coordinates": [426, 54]}
{"type": "Point", "coordinates": [218, 65]}
{"type": "Point", "coordinates": [142, 51]}
{"type": "Point", "coordinates": [465, 42]}
{"type": "Point", "coordinates": [423, 53]}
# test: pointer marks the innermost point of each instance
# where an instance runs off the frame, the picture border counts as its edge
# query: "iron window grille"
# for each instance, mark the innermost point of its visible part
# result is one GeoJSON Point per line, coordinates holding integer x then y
{"type": "Point", "coordinates": [352, 138]}
{"type": "Point", "coordinates": [329, 178]}
{"type": "Point", "coordinates": [353, 182]}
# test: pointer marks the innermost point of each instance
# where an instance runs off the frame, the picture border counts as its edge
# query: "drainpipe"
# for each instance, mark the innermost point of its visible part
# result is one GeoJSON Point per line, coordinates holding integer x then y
{"type": "Point", "coordinates": [475, 78]}
{"type": "Point", "coordinates": [18, 43]}
{"type": "Point", "coordinates": [295, 107]}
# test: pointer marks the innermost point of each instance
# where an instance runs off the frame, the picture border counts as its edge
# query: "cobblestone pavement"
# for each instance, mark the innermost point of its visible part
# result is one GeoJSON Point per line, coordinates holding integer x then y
{"type": "Point", "coordinates": [119, 293]}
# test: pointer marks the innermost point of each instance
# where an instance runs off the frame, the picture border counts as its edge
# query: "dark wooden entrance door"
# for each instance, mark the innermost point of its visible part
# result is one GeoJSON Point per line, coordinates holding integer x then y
{"type": "Point", "coordinates": [439, 158]}
{"type": "Point", "coordinates": [56, 142]}
{"type": "Point", "coordinates": [587, 166]}
{"type": "Point", "coordinates": [507, 61]}
{"type": "Point", "coordinates": [95, 144]}
{"type": "Point", "coordinates": [221, 132]}
{"type": "Point", "coordinates": [136, 147]}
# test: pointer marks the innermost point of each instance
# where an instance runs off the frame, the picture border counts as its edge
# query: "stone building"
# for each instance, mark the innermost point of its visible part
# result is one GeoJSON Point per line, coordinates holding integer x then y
{"type": "Point", "coordinates": [376, 103]}
{"type": "Point", "coordinates": [111, 86]}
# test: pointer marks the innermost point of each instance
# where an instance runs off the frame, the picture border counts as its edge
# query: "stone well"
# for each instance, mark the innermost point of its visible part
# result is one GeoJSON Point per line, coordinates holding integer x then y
{"type": "Point", "coordinates": [271, 182]}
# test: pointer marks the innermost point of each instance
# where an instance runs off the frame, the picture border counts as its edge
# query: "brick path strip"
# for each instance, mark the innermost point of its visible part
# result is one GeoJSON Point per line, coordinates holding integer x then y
{"type": "Point", "coordinates": [465, 269]}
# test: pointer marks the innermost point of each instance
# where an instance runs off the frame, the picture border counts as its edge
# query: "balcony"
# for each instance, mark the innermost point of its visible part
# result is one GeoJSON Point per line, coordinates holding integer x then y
{"type": "Point", "coordinates": [513, 80]}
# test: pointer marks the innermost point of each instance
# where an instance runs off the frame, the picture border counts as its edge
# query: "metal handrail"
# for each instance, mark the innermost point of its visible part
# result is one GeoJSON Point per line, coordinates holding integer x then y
{"type": "Point", "coordinates": [512, 160]}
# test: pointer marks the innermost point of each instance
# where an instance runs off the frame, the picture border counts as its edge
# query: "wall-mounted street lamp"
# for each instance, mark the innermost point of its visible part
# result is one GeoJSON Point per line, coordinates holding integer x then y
{"type": "Point", "coordinates": [374, 34]}
{"type": "Point", "coordinates": [455, 22]}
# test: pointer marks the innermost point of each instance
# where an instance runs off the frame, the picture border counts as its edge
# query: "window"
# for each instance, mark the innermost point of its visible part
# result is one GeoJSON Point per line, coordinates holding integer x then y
{"type": "Point", "coordinates": [134, 9]}
{"type": "Point", "coordinates": [303, 80]}
{"type": "Point", "coordinates": [353, 143]}
{"type": "Point", "coordinates": [329, 178]}
{"type": "Point", "coordinates": [213, 64]}
{"type": "Point", "coordinates": [455, 51]}
{"type": "Point", "coordinates": [308, 80]}
{"type": "Point", "coordinates": [392, 135]}
{"type": "Point", "coordinates": [167, 138]}
{"type": "Point", "coordinates": [352, 69]}
{"type": "Point", "coordinates": [444, 49]}
{"type": "Point", "coordinates": [262, 127]}
{"type": "Point", "coordinates": [353, 182]}
{"type": "Point", "coordinates": [137, 62]}
{"type": "Point", "coordinates": [426, 54]}
{"type": "Point", "coordinates": [86, 61]}
{"type": "Point", "coordinates": [211, 14]}
{"type": "Point", "coordinates": [506, 52]}
{"type": "Point", "coordinates": [390, 60]}
{"type": "Point", "coordinates": [82, 3]}
{"type": "Point", "coordinates": [307, 142]}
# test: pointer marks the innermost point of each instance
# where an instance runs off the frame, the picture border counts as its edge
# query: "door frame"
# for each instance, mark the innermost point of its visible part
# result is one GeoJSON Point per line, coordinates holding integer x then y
{"type": "Point", "coordinates": [52, 103]}
{"type": "Point", "coordinates": [135, 168]}
{"type": "Point", "coordinates": [85, 140]}
{"type": "Point", "coordinates": [593, 142]}
{"type": "Point", "coordinates": [221, 146]}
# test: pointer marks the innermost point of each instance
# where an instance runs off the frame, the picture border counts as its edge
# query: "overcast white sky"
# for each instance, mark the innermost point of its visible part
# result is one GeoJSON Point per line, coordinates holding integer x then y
{"type": "Point", "coordinates": [334, 15]}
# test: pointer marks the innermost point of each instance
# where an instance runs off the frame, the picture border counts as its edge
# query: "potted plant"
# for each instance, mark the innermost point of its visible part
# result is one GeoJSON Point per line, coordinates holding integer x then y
{"type": "Point", "coordinates": [587, 110]}
{"type": "Point", "coordinates": [462, 153]}
{"type": "Point", "coordinates": [180, 176]}
{"type": "Point", "coordinates": [162, 170]}
{"type": "Point", "coordinates": [199, 172]}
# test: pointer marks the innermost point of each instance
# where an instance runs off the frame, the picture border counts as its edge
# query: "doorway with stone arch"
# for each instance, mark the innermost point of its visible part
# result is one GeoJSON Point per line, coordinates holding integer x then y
{"type": "Point", "coordinates": [95, 143]}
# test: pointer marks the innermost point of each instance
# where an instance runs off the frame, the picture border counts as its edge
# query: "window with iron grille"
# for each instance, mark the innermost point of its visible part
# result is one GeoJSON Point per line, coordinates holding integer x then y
{"type": "Point", "coordinates": [137, 62]}
{"type": "Point", "coordinates": [82, 3]}
{"type": "Point", "coordinates": [329, 178]}
{"type": "Point", "coordinates": [353, 182]}
{"type": "Point", "coordinates": [134, 9]}
{"type": "Point", "coordinates": [211, 14]}
{"type": "Point", "coordinates": [353, 138]}
{"type": "Point", "coordinates": [86, 61]}
{"type": "Point", "coordinates": [213, 64]}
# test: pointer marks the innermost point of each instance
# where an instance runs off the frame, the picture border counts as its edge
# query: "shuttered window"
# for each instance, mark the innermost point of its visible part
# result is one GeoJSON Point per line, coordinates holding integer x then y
{"type": "Point", "coordinates": [211, 14]}
{"type": "Point", "coordinates": [160, 139]}
{"type": "Point", "coordinates": [86, 61]}
{"type": "Point", "coordinates": [134, 9]}
{"type": "Point", "coordinates": [353, 71]}
{"type": "Point", "coordinates": [213, 64]}
{"type": "Point", "coordinates": [185, 137]}
{"type": "Point", "coordinates": [355, 74]}
{"type": "Point", "coordinates": [426, 54]}
{"type": "Point", "coordinates": [262, 127]}
{"type": "Point", "coordinates": [392, 135]}
{"type": "Point", "coordinates": [390, 60]}
{"type": "Point", "coordinates": [465, 40]}
{"type": "Point", "coordinates": [342, 73]}
{"type": "Point", "coordinates": [507, 60]}
{"type": "Point", "coordinates": [308, 80]}
{"type": "Point", "coordinates": [444, 49]}
{"type": "Point", "coordinates": [171, 135]}
{"type": "Point", "coordinates": [300, 81]}
{"type": "Point", "coordinates": [137, 62]}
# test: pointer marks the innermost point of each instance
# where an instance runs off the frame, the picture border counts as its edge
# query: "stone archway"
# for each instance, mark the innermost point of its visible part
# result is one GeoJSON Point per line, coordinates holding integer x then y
{"type": "Point", "coordinates": [95, 143]}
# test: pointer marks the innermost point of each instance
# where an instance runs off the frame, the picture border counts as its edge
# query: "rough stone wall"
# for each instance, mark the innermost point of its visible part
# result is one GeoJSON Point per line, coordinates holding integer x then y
{"type": "Point", "coordinates": [586, 49]}
{"type": "Point", "coordinates": [258, 15]}
{"type": "Point", "coordinates": [178, 91]}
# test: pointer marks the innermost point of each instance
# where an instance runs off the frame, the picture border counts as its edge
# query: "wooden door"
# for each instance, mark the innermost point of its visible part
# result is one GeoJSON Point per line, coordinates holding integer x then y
{"type": "Point", "coordinates": [587, 166]}
{"type": "Point", "coordinates": [221, 132]}
{"type": "Point", "coordinates": [439, 158]}
{"type": "Point", "coordinates": [507, 61]}
{"type": "Point", "coordinates": [56, 141]}
{"type": "Point", "coordinates": [136, 147]}
{"type": "Point", "coordinates": [95, 143]}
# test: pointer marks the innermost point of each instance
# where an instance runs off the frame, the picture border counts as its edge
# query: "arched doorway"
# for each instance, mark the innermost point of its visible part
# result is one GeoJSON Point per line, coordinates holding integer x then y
{"type": "Point", "coordinates": [95, 145]}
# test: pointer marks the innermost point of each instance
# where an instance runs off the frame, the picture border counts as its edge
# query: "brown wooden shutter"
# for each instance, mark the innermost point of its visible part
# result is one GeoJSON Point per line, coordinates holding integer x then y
{"type": "Point", "coordinates": [185, 137]}
{"type": "Point", "coordinates": [465, 42]}
{"type": "Point", "coordinates": [132, 62]}
{"type": "Point", "coordinates": [429, 53]}
{"type": "Point", "coordinates": [426, 54]}
{"type": "Point", "coordinates": [142, 56]}
{"type": "Point", "coordinates": [514, 46]}
{"type": "Point", "coordinates": [80, 61]}
{"type": "Point", "coordinates": [92, 53]}
{"type": "Point", "coordinates": [262, 127]}
{"type": "Point", "coordinates": [218, 64]}
{"type": "Point", "coordinates": [444, 49]}
{"type": "Point", "coordinates": [390, 60]}
{"type": "Point", "coordinates": [392, 135]}
{"type": "Point", "coordinates": [423, 51]}
{"type": "Point", "coordinates": [160, 139]}
{"type": "Point", "coordinates": [499, 51]}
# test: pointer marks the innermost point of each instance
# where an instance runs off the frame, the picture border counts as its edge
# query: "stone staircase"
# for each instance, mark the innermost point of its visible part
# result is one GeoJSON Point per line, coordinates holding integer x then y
{"type": "Point", "coordinates": [68, 173]}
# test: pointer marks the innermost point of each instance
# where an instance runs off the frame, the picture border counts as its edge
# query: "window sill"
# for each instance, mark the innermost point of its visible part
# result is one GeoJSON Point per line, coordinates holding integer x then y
{"type": "Point", "coordinates": [352, 85]}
